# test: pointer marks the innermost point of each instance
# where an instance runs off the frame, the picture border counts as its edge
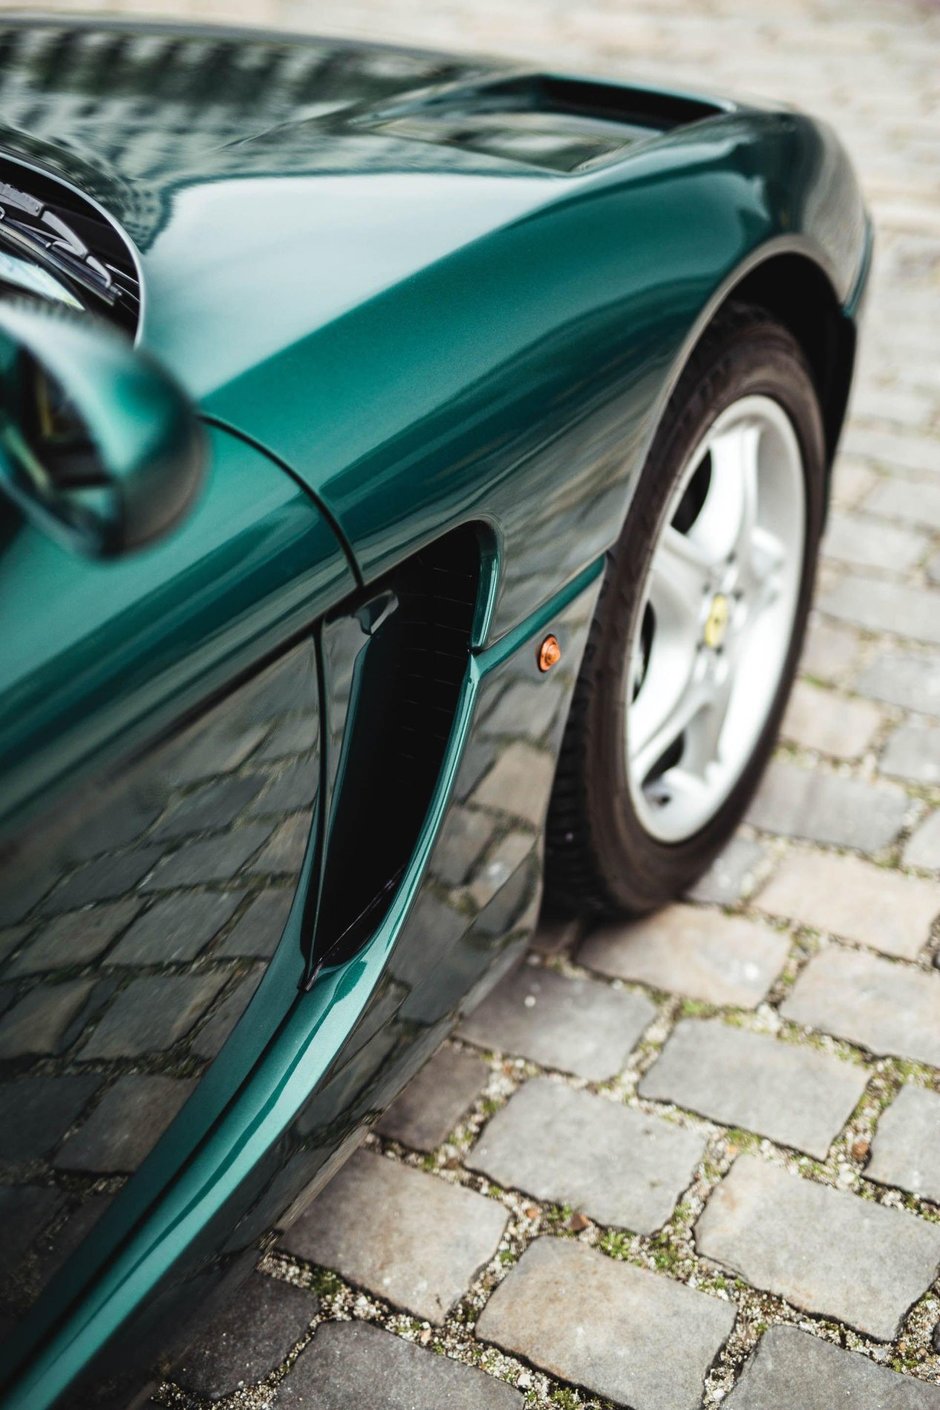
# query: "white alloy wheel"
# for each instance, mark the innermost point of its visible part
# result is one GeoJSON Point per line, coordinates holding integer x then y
{"type": "Point", "coordinates": [715, 620]}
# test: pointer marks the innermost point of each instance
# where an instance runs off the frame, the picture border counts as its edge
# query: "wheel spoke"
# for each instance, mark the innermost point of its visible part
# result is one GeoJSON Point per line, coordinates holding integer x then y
{"type": "Point", "coordinates": [679, 581]}
{"type": "Point", "coordinates": [696, 700]}
{"type": "Point", "coordinates": [761, 573]}
{"type": "Point", "coordinates": [767, 551]}
{"type": "Point", "coordinates": [704, 744]}
{"type": "Point", "coordinates": [727, 518]}
{"type": "Point", "coordinates": [649, 750]}
{"type": "Point", "coordinates": [718, 606]}
{"type": "Point", "coordinates": [747, 443]}
{"type": "Point", "coordinates": [678, 592]}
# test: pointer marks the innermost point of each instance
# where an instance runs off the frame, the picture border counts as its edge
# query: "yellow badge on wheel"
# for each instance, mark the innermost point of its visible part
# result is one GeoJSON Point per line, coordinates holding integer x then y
{"type": "Point", "coordinates": [716, 623]}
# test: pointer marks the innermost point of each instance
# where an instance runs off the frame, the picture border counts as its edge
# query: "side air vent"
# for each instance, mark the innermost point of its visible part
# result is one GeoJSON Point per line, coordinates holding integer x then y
{"type": "Point", "coordinates": [393, 676]}
{"type": "Point", "coordinates": [566, 125]}
{"type": "Point", "coordinates": [56, 245]}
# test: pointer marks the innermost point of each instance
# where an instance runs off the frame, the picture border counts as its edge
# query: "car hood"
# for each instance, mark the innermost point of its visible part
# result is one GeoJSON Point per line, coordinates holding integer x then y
{"type": "Point", "coordinates": [270, 183]}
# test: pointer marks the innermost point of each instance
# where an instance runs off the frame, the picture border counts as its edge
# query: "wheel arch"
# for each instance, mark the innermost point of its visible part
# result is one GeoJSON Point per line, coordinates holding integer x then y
{"type": "Point", "coordinates": [797, 292]}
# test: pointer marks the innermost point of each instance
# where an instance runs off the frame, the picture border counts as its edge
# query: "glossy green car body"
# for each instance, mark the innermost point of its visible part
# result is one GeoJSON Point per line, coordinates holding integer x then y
{"type": "Point", "coordinates": [429, 367]}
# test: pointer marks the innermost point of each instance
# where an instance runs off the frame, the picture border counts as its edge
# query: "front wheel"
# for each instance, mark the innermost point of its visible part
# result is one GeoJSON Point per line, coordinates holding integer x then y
{"type": "Point", "coordinates": [698, 628]}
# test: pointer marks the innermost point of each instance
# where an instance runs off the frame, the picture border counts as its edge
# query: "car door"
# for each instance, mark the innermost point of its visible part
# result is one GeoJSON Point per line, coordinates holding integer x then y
{"type": "Point", "coordinates": [159, 781]}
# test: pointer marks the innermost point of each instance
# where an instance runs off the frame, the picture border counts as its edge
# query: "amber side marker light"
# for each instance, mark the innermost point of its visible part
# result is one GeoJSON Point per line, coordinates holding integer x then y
{"type": "Point", "coordinates": [549, 653]}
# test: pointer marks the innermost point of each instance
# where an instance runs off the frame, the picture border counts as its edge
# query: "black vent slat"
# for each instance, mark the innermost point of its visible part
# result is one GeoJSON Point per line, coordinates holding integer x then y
{"type": "Point", "coordinates": [396, 743]}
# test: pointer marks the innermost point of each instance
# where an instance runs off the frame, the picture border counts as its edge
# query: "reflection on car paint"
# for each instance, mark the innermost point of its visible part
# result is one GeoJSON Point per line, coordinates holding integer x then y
{"type": "Point", "coordinates": [136, 926]}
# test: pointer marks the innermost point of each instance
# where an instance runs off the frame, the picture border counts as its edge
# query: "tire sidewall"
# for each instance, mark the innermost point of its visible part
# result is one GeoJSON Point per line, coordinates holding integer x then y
{"type": "Point", "coordinates": [638, 871]}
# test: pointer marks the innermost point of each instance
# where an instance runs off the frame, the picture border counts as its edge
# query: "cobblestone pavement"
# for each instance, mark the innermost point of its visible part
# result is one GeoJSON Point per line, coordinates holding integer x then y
{"type": "Point", "coordinates": [699, 1156]}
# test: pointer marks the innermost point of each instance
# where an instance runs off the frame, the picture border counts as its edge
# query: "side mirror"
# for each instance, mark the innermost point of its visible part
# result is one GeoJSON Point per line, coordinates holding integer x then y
{"type": "Point", "coordinates": [98, 445]}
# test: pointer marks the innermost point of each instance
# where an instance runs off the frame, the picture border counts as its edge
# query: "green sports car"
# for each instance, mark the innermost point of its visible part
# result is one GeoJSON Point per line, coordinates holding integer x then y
{"type": "Point", "coordinates": [411, 476]}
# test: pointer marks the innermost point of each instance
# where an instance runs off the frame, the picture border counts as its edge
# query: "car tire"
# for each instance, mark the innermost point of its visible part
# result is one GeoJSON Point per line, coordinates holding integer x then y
{"type": "Point", "coordinates": [621, 841]}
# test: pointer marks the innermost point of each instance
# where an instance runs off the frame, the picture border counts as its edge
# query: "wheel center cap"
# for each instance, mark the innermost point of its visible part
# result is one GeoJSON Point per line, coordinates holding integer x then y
{"type": "Point", "coordinates": [716, 623]}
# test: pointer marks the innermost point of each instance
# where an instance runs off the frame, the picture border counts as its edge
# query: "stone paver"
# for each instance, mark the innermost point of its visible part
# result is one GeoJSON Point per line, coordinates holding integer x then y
{"type": "Point", "coordinates": [913, 751]}
{"type": "Point", "coordinates": [906, 1148]}
{"type": "Point", "coordinates": [503, 861]}
{"type": "Point", "coordinates": [69, 1235]}
{"type": "Point", "coordinates": [406, 1236]}
{"type": "Point", "coordinates": [105, 879]}
{"type": "Point", "coordinates": [899, 448]}
{"type": "Point", "coordinates": [651, 1347]}
{"type": "Point", "coordinates": [289, 787]}
{"type": "Point", "coordinates": [819, 1247]}
{"type": "Point", "coordinates": [213, 859]}
{"type": "Point", "coordinates": [151, 1014]}
{"type": "Point", "coordinates": [899, 404]}
{"type": "Point", "coordinates": [905, 679]}
{"type": "Point", "coordinates": [75, 938]}
{"type": "Point", "coordinates": [356, 1364]}
{"type": "Point", "coordinates": [575, 1025]}
{"type": "Point", "coordinates": [923, 847]}
{"type": "Point", "coordinates": [208, 808]}
{"type": "Point", "coordinates": [702, 954]}
{"type": "Point", "coordinates": [26, 1210]}
{"type": "Point", "coordinates": [606, 1160]}
{"type": "Point", "coordinates": [733, 874]}
{"type": "Point", "coordinates": [866, 542]}
{"type": "Point", "coordinates": [828, 808]}
{"type": "Point", "coordinates": [818, 719]}
{"type": "Point", "coordinates": [221, 749]}
{"type": "Point", "coordinates": [176, 928]}
{"type": "Point", "coordinates": [854, 899]}
{"type": "Point", "coordinates": [294, 736]}
{"type": "Point", "coordinates": [831, 650]}
{"type": "Point", "coordinates": [123, 822]}
{"type": "Point", "coordinates": [794, 1095]}
{"type": "Point", "coordinates": [208, 1041]}
{"type": "Point", "coordinates": [883, 606]}
{"type": "Point", "coordinates": [522, 775]}
{"type": "Point", "coordinates": [257, 932]}
{"type": "Point", "coordinates": [852, 481]}
{"type": "Point", "coordinates": [39, 1023]}
{"type": "Point", "coordinates": [793, 1368]}
{"type": "Point", "coordinates": [11, 937]}
{"type": "Point", "coordinates": [465, 836]}
{"type": "Point", "coordinates": [523, 700]}
{"type": "Point", "coordinates": [284, 853]}
{"type": "Point", "coordinates": [249, 1338]}
{"type": "Point", "coordinates": [122, 1128]}
{"type": "Point", "coordinates": [886, 1007]}
{"type": "Point", "coordinates": [908, 501]}
{"type": "Point", "coordinates": [434, 1101]}
{"type": "Point", "coordinates": [36, 1112]}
